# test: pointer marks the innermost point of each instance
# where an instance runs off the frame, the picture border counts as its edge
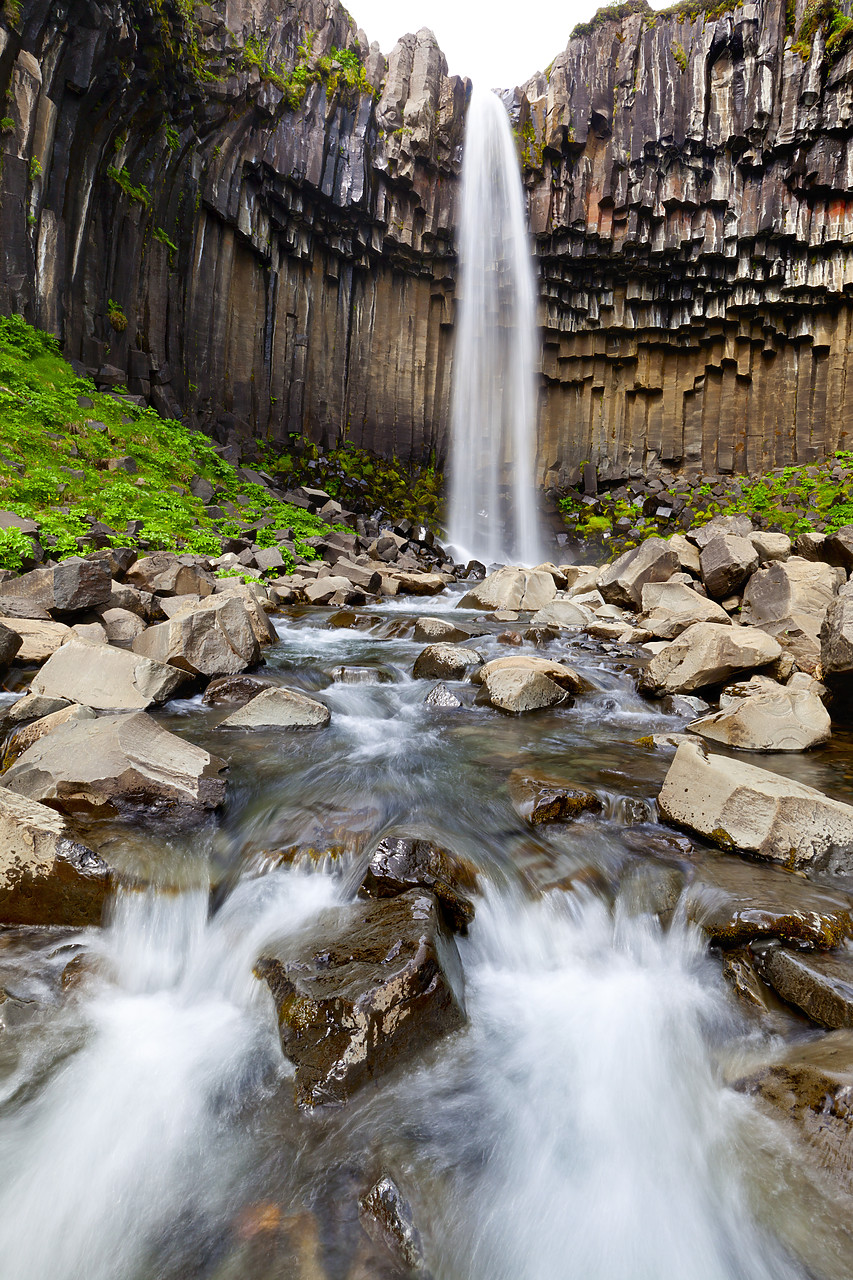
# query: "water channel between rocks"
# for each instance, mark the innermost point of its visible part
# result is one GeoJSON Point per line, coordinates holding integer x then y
{"type": "Point", "coordinates": [580, 1127]}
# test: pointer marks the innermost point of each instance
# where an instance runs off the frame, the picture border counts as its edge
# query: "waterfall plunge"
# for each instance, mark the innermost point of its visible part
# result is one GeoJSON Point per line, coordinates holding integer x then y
{"type": "Point", "coordinates": [492, 494]}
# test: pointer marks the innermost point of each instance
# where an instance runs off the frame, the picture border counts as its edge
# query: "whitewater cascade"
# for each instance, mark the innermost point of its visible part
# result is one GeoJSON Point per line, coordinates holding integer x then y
{"type": "Point", "coordinates": [492, 512]}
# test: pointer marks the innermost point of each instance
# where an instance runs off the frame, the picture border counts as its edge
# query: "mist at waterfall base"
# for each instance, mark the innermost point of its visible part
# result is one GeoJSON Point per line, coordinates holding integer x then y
{"type": "Point", "coordinates": [492, 513]}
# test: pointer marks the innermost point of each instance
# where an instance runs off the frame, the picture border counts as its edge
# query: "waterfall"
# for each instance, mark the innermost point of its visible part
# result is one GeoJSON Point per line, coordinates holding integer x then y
{"type": "Point", "coordinates": [492, 512]}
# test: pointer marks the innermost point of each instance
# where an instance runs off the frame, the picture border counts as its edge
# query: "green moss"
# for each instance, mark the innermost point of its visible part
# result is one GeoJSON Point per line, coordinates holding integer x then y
{"type": "Point", "coordinates": [340, 68]}
{"type": "Point", "coordinates": [7, 125]}
{"type": "Point", "coordinates": [55, 454]}
{"type": "Point", "coordinates": [818, 15]}
{"type": "Point", "coordinates": [117, 318]}
{"type": "Point", "coordinates": [140, 193]}
{"type": "Point", "coordinates": [530, 149]}
{"type": "Point", "coordinates": [35, 168]}
{"type": "Point", "coordinates": [679, 57]}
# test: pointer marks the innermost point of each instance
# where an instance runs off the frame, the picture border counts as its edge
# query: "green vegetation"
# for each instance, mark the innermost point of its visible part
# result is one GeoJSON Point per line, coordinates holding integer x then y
{"type": "Point", "coordinates": [161, 236]}
{"type": "Point", "coordinates": [173, 141]}
{"type": "Point", "coordinates": [11, 10]}
{"type": "Point", "coordinates": [792, 500]}
{"type": "Point", "coordinates": [140, 194]}
{"type": "Point", "coordinates": [360, 480]}
{"type": "Point", "coordinates": [529, 148]}
{"type": "Point", "coordinates": [179, 38]}
{"type": "Point", "coordinates": [827, 16]}
{"type": "Point", "coordinates": [55, 456]}
{"type": "Point", "coordinates": [7, 125]}
{"type": "Point", "coordinates": [679, 55]}
{"type": "Point", "coordinates": [683, 11]}
{"type": "Point", "coordinates": [116, 315]}
{"type": "Point", "coordinates": [35, 168]}
{"type": "Point", "coordinates": [340, 67]}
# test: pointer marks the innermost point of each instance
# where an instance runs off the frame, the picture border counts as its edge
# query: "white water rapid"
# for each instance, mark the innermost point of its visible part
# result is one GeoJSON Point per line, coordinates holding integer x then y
{"type": "Point", "coordinates": [492, 513]}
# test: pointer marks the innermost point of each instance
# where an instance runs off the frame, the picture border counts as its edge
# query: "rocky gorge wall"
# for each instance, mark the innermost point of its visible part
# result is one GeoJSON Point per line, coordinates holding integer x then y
{"type": "Point", "coordinates": [246, 212]}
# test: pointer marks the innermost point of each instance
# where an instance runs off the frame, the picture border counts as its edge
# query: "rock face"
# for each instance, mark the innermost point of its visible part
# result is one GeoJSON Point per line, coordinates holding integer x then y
{"type": "Point", "coordinates": [366, 996]}
{"type": "Point", "coordinates": [706, 654]}
{"type": "Point", "coordinates": [737, 806]}
{"type": "Point", "coordinates": [46, 876]}
{"type": "Point", "coordinates": [124, 765]}
{"type": "Point", "coordinates": [117, 681]}
{"type": "Point", "coordinates": [687, 191]}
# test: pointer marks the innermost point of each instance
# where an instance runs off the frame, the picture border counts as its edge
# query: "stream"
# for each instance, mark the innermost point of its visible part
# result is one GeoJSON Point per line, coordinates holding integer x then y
{"type": "Point", "coordinates": [580, 1127]}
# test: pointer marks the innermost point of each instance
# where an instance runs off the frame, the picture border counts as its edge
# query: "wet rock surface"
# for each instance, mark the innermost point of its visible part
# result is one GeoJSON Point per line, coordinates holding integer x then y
{"type": "Point", "coordinates": [278, 709]}
{"type": "Point", "coordinates": [366, 997]}
{"type": "Point", "coordinates": [540, 798]}
{"type": "Point", "coordinates": [820, 984]}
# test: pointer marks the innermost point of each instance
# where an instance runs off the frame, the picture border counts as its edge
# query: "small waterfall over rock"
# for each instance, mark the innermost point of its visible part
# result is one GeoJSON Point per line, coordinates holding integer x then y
{"type": "Point", "coordinates": [492, 495]}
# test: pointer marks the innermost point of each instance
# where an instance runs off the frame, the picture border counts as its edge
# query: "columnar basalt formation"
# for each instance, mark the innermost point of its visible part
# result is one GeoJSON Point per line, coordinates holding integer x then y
{"type": "Point", "coordinates": [247, 213]}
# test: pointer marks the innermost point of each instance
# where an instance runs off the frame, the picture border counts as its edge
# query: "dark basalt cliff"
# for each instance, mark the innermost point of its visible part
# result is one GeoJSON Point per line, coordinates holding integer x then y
{"type": "Point", "coordinates": [274, 220]}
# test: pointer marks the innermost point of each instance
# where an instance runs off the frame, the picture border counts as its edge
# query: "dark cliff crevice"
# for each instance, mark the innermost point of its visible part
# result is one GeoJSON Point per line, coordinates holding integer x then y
{"type": "Point", "coordinates": [269, 202]}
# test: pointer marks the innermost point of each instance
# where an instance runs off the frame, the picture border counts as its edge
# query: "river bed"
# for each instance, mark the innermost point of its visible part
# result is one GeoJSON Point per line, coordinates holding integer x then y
{"type": "Point", "coordinates": [580, 1127]}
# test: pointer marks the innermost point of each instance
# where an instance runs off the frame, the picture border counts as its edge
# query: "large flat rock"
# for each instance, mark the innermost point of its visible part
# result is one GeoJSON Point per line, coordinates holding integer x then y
{"type": "Point", "coordinates": [369, 992]}
{"type": "Point", "coordinates": [105, 678]}
{"type": "Point", "coordinates": [777, 720]}
{"type": "Point", "coordinates": [739, 806]}
{"type": "Point", "coordinates": [706, 654]}
{"type": "Point", "coordinates": [46, 875]}
{"type": "Point", "coordinates": [122, 764]}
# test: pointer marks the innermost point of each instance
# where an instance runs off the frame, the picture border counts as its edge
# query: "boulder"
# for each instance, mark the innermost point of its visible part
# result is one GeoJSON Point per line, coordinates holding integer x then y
{"type": "Point", "coordinates": [69, 587]}
{"type": "Point", "coordinates": [810, 546]}
{"type": "Point", "coordinates": [728, 526]}
{"type": "Point", "coordinates": [652, 561]}
{"type": "Point", "coordinates": [38, 639]}
{"type": "Point", "coordinates": [26, 735]}
{"type": "Point", "coordinates": [739, 806]}
{"type": "Point", "coordinates": [265, 632]}
{"type": "Point", "coordinates": [125, 765]}
{"type": "Point", "coordinates": [10, 645]}
{"type": "Point", "coordinates": [441, 696]}
{"type": "Point", "coordinates": [165, 574]}
{"type": "Point", "coordinates": [668, 608]}
{"type": "Point", "coordinates": [688, 554]}
{"type": "Point", "coordinates": [110, 680]}
{"type": "Point", "coordinates": [538, 797]}
{"type": "Point", "coordinates": [368, 580]}
{"type": "Point", "coordinates": [401, 863]}
{"type": "Point", "coordinates": [511, 589]}
{"type": "Point", "coordinates": [776, 721]}
{"type": "Point", "coordinates": [820, 984]}
{"type": "Point", "coordinates": [521, 690]}
{"type": "Point", "coordinates": [561, 614]}
{"type": "Point", "coordinates": [15, 607]}
{"type": "Point", "coordinates": [431, 630]}
{"type": "Point", "coordinates": [771, 546]}
{"type": "Point", "coordinates": [122, 626]}
{"type": "Point", "coordinates": [737, 902]}
{"type": "Point", "coordinates": [328, 590]}
{"type": "Point", "coordinates": [412, 584]}
{"type": "Point", "coordinates": [143, 603]}
{"type": "Point", "coordinates": [91, 632]}
{"type": "Point", "coordinates": [836, 640]}
{"type": "Point", "coordinates": [560, 674]}
{"type": "Point", "coordinates": [46, 876]}
{"type": "Point", "coordinates": [838, 548]}
{"type": "Point", "coordinates": [789, 600]}
{"type": "Point", "coordinates": [726, 563]}
{"type": "Point", "coordinates": [707, 654]}
{"type": "Point", "coordinates": [31, 707]}
{"type": "Point", "coordinates": [809, 1087]}
{"type": "Point", "coordinates": [236, 690]}
{"type": "Point", "coordinates": [276, 708]}
{"type": "Point", "coordinates": [214, 638]}
{"type": "Point", "coordinates": [445, 662]}
{"type": "Point", "coordinates": [377, 985]}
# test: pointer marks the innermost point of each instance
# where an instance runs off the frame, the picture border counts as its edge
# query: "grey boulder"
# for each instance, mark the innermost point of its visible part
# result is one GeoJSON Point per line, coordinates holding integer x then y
{"type": "Point", "coordinates": [276, 708]}
{"type": "Point", "coordinates": [445, 662]}
{"type": "Point", "coordinates": [781, 720]}
{"type": "Point", "coordinates": [213, 638]}
{"type": "Point", "coordinates": [106, 679]}
{"type": "Point", "coordinates": [652, 561]}
{"type": "Point", "coordinates": [706, 654]}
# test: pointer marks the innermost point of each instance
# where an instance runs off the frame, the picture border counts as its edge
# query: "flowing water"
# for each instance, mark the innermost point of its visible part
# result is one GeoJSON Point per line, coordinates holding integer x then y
{"type": "Point", "coordinates": [578, 1128]}
{"type": "Point", "coordinates": [492, 513]}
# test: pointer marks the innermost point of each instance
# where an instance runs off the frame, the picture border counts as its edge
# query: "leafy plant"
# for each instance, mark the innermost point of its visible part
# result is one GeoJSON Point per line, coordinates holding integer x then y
{"type": "Point", "coordinates": [35, 168]}
{"type": "Point", "coordinates": [117, 318]}
{"type": "Point", "coordinates": [140, 193]}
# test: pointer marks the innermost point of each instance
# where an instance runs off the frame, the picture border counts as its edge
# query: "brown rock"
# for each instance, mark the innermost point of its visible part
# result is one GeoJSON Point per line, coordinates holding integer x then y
{"type": "Point", "coordinates": [541, 798]}
{"type": "Point", "coordinates": [400, 863]}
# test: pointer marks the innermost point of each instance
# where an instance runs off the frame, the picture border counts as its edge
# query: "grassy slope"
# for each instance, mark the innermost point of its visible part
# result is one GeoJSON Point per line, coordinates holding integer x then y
{"type": "Point", "coordinates": [54, 464]}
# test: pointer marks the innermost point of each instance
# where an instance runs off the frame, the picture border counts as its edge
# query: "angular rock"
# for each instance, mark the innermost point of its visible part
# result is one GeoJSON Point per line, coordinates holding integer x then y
{"type": "Point", "coordinates": [511, 589]}
{"type": "Point", "coordinates": [836, 640]}
{"type": "Point", "coordinates": [73, 585]}
{"type": "Point", "coordinates": [560, 614]}
{"type": "Point", "coordinates": [838, 548]}
{"type": "Point", "coordinates": [232, 689]}
{"type": "Point", "coordinates": [771, 546]}
{"type": "Point", "coordinates": [165, 574]}
{"type": "Point", "coordinates": [31, 707]}
{"type": "Point", "coordinates": [726, 563]}
{"type": "Point", "coordinates": [46, 876]}
{"type": "Point", "coordinates": [365, 996]}
{"type": "Point", "coordinates": [820, 984]}
{"type": "Point", "coordinates": [668, 608]}
{"type": "Point", "coordinates": [400, 863]}
{"type": "Point", "coordinates": [521, 690]}
{"type": "Point", "coordinates": [738, 806]}
{"type": "Point", "coordinates": [413, 584]}
{"type": "Point", "coordinates": [125, 765]}
{"type": "Point", "coordinates": [538, 798]}
{"type": "Point", "coordinates": [789, 600]}
{"type": "Point", "coordinates": [38, 639]}
{"type": "Point", "coordinates": [122, 626]}
{"type": "Point", "coordinates": [276, 708]}
{"type": "Point", "coordinates": [10, 645]}
{"type": "Point", "coordinates": [736, 902]}
{"type": "Point", "coordinates": [725, 526]}
{"type": "Point", "coordinates": [441, 696]}
{"type": "Point", "coordinates": [445, 662]}
{"type": "Point", "coordinates": [706, 654]}
{"type": "Point", "coordinates": [558, 672]}
{"type": "Point", "coordinates": [688, 554]}
{"type": "Point", "coordinates": [387, 1218]}
{"type": "Point", "coordinates": [652, 561]}
{"type": "Point", "coordinates": [255, 599]}
{"type": "Point", "coordinates": [778, 721]}
{"type": "Point", "coordinates": [358, 576]}
{"type": "Point", "coordinates": [114, 680]}
{"type": "Point", "coordinates": [27, 735]}
{"type": "Point", "coordinates": [214, 638]}
{"type": "Point", "coordinates": [326, 591]}
{"type": "Point", "coordinates": [432, 630]}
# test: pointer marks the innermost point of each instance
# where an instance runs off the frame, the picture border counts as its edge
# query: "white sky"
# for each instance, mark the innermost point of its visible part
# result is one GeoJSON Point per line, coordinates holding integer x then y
{"type": "Point", "coordinates": [497, 44]}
